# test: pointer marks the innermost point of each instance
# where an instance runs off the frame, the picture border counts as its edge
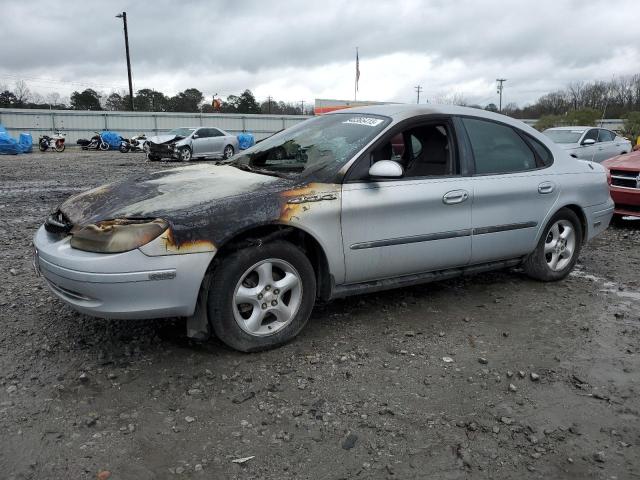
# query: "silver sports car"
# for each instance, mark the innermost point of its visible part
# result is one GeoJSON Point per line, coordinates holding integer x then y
{"type": "Point", "coordinates": [354, 201]}
{"type": "Point", "coordinates": [183, 144]}
{"type": "Point", "coordinates": [589, 143]}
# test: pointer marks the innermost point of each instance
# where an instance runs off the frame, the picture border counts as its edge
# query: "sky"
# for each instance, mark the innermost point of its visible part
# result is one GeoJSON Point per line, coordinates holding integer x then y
{"type": "Point", "coordinates": [294, 50]}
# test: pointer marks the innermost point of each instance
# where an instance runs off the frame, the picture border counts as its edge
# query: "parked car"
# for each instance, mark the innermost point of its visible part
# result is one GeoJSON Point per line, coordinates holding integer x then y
{"type": "Point", "coordinates": [624, 177]}
{"type": "Point", "coordinates": [589, 143]}
{"type": "Point", "coordinates": [333, 206]}
{"type": "Point", "coordinates": [183, 144]}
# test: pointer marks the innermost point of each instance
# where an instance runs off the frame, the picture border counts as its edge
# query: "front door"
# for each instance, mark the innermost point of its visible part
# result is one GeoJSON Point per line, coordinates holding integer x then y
{"type": "Point", "coordinates": [418, 223]}
{"type": "Point", "coordinates": [201, 143]}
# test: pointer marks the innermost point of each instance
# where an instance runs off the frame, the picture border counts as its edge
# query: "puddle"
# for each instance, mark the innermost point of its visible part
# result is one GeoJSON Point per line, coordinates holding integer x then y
{"type": "Point", "coordinates": [607, 286]}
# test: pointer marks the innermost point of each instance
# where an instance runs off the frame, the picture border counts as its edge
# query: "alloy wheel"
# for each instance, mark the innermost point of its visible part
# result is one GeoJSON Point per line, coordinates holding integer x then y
{"type": "Point", "coordinates": [267, 297]}
{"type": "Point", "coordinates": [560, 244]}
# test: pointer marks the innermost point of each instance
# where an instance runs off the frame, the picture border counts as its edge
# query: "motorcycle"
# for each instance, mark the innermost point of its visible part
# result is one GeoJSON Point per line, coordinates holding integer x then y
{"type": "Point", "coordinates": [96, 143]}
{"type": "Point", "coordinates": [56, 142]}
{"type": "Point", "coordinates": [133, 144]}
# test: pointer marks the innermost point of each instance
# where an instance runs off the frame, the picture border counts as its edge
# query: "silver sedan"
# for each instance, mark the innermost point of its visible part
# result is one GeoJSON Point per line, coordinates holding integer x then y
{"type": "Point", "coordinates": [184, 144]}
{"type": "Point", "coordinates": [589, 143]}
{"type": "Point", "coordinates": [354, 201]}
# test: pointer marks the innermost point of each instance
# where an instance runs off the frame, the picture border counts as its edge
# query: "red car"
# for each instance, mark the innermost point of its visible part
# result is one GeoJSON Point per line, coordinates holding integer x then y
{"type": "Point", "coordinates": [624, 181]}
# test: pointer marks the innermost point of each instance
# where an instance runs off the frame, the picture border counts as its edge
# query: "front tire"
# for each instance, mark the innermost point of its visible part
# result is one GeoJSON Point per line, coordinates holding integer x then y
{"type": "Point", "coordinates": [59, 147]}
{"type": "Point", "coordinates": [184, 155]}
{"type": "Point", "coordinates": [558, 248]}
{"type": "Point", "coordinates": [103, 146]}
{"type": "Point", "coordinates": [261, 297]}
{"type": "Point", "coordinates": [153, 157]}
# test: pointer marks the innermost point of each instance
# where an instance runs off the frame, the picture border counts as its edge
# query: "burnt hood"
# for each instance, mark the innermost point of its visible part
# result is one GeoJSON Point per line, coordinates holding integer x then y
{"type": "Point", "coordinates": [181, 195]}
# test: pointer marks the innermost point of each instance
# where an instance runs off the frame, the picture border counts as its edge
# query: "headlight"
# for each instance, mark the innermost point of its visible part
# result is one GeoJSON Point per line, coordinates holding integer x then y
{"type": "Point", "coordinates": [119, 235]}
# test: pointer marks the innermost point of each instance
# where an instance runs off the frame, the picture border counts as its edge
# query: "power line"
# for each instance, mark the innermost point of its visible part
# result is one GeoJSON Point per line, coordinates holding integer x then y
{"type": "Point", "coordinates": [418, 89]}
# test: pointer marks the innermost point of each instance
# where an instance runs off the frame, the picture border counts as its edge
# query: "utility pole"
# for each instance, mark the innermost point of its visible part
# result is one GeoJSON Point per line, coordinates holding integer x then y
{"type": "Point", "coordinates": [418, 89]}
{"type": "Point", "coordinates": [123, 16]}
{"type": "Point", "coordinates": [500, 87]}
{"type": "Point", "coordinates": [269, 104]}
{"type": "Point", "coordinates": [302, 107]}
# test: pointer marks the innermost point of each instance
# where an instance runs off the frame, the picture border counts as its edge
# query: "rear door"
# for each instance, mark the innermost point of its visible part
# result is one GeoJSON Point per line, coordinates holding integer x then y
{"type": "Point", "coordinates": [513, 189]}
{"type": "Point", "coordinates": [606, 146]}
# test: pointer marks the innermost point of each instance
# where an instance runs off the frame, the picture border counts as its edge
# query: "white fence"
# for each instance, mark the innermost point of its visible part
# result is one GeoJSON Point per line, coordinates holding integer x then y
{"type": "Point", "coordinates": [83, 123]}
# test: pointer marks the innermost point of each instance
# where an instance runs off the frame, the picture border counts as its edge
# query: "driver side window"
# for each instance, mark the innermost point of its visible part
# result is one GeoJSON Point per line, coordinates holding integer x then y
{"type": "Point", "coordinates": [423, 151]}
{"type": "Point", "coordinates": [591, 135]}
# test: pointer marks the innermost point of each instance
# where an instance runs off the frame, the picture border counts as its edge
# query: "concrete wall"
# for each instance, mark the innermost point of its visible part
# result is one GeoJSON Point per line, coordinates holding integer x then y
{"type": "Point", "coordinates": [83, 123]}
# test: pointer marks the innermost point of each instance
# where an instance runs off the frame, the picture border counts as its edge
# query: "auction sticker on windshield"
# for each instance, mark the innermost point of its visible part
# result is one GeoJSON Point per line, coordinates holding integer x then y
{"type": "Point", "coordinates": [368, 121]}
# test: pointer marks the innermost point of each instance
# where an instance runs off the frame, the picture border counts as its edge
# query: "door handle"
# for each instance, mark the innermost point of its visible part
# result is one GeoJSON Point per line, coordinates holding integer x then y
{"type": "Point", "coordinates": [546, 187]}
{"type": "Point", "coordinates": [455, 196]}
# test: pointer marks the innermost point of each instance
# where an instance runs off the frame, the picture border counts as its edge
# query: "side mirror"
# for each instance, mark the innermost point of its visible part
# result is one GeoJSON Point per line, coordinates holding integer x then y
{"type": "Point", "coordinates": [195, 135]}
{"type": "Point", "coordinates": [588, 141]}
{"type": "Point", "coordinates": [386, 169]}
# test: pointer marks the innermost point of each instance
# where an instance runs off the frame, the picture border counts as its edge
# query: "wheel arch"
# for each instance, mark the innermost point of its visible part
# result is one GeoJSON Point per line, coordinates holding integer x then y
{"type": "Point", "coordinates": [306, 241]}
{"type": "Point", "coordinates": [577, 209]}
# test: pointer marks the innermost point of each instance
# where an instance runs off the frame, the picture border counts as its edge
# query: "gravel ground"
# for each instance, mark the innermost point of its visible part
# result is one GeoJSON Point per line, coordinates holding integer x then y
{"type": "Point", "coordinates": [494, 376]}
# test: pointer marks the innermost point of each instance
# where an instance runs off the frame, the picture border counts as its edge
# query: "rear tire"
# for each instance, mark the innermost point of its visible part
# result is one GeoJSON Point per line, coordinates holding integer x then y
{"type": "Point", "coordinates": [558, 248]}
{"type": "Point", "coordinates": [43, 145]}
{"type": "Point", "coordinates": [279, 285]}
{"type": "Point", "coordinates": [228, 152]}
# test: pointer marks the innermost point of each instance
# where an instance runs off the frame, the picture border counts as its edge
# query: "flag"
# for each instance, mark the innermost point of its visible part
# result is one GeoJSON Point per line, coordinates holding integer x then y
{"type": "Point", "coordinates": [357, 69]}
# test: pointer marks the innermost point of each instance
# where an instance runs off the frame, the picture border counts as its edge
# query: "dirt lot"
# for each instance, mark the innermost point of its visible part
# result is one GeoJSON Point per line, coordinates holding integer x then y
{"type": "Point", "coordinates": [494, 376]}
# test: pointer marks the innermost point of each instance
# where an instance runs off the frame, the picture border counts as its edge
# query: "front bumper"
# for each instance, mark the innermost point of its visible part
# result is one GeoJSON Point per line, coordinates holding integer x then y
{"type": "Point", "coordinates": [120, 285]}
{"type": "Point", "coordinates": [162, 150]}
{"type": "Point", "coordinates": [627, 200]}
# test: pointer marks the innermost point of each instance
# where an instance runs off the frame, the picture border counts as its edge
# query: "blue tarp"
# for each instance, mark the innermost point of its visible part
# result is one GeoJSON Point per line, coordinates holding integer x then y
{"type": "Point", "coordinates": [8, 146]}
{"type": "Point", "coordinates": [112, 138]}
{"type": "Point", "coordinates": [25, 142]}
{"type": "Point", "coordinates": [246, 140]}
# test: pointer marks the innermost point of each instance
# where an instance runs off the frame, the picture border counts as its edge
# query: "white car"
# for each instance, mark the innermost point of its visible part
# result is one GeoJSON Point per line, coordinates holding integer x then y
{"type": "Point", "coordinates": [589, 143]}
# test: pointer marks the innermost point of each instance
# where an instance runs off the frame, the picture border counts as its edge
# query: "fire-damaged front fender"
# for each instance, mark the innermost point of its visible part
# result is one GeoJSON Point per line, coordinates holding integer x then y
{"type": "Point", "coordinates": [207, 206]}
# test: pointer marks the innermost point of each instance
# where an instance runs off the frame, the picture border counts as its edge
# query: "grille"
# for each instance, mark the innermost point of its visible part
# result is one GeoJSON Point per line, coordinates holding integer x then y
{"type": "Point", "coordinates": [622, 178]}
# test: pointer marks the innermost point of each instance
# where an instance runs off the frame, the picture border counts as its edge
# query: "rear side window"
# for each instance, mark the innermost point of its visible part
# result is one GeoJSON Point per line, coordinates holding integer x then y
{"type": "Point", "coordinates": [498, 148]}
{"type": "Point", "coordinates": [542, 152]}
{"type": "Point", "coordinates": [606, 135]}
{"type": "Point", "coordinates": [215, 132]}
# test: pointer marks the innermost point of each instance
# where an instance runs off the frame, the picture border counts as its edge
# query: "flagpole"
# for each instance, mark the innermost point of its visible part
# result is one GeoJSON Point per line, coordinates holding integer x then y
{"type": "Point", "coordinates": [355, 87]}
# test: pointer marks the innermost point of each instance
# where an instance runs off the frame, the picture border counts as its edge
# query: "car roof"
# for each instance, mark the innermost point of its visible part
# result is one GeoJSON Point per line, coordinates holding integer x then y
{"type": "Point", "coordinates": [572, 128]}
{"type": "Point", "coordinates": [400, 111]}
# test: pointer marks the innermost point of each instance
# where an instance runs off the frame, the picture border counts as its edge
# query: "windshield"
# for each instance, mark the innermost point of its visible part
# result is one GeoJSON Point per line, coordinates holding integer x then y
{"type": "Point", "coordinates": [564, 136]}
{"type": "Point", "coordinates": [321, 144]}
{"type": "Point", "coordinates": [181, 132]}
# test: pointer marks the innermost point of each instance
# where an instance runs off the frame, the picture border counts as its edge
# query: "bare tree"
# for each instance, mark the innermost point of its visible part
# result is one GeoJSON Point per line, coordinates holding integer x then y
{"type": "Point", "coordinates": [22, 92]}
